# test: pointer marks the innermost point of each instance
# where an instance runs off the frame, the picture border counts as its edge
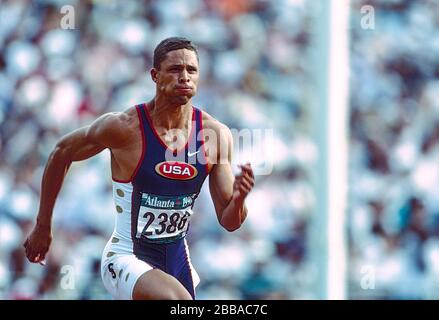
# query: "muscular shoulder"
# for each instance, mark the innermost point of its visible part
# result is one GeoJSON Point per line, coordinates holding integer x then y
{"type": "Point", "coordinates": [218, 137]}
{"type": "Point", "coordinates": [113, 129]}
{"type": "Point", "coordinates": [218, 127]}
{"type": "Point", "coordinates": [117, 120]}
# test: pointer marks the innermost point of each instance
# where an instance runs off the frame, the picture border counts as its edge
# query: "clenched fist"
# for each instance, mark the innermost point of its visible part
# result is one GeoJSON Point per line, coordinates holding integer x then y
{"type": "Point", "coordinates": [244, 182]}
{"type": "Point", "coordinates": [37, 244]}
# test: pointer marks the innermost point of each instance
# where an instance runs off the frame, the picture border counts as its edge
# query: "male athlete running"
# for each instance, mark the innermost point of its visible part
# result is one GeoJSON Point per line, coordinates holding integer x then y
{"type": "Point", "coordinates": [161, 153]}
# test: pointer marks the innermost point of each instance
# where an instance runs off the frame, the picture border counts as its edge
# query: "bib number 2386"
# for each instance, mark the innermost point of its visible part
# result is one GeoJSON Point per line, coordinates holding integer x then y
{"type": "Point", "coordinates": [163, 223]}
{"type": "Point", "coordinates": [163, 217]}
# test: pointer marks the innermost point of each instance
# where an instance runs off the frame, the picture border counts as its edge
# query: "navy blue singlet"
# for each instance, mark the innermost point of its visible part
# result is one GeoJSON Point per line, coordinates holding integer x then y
{"type": "Point", "coordinates": [155, 205]}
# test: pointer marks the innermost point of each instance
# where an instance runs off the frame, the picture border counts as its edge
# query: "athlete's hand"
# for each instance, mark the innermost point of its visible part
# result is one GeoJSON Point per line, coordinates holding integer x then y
{"type": "Point", "coordinates": [37, 244]}
{"type": "Point", "coordinates": [244, 182]}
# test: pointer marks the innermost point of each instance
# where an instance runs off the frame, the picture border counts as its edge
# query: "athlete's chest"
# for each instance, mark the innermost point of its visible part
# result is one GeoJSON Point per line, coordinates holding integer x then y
{"type": "Point", "coordinates": [175, 153]}
{"type": "Point", "coordinates": [173, 139]}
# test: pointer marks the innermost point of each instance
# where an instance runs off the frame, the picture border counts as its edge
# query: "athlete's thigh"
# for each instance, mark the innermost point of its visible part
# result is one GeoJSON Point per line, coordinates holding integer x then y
{"type": "Point", "coordinates": [120, 273]}
{"type": "Point", "coordinates": [158, 285]}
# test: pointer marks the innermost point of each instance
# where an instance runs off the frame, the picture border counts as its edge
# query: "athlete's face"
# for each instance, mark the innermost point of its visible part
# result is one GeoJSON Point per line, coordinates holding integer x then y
{"type": "Point", "coordinates": [177, 78]}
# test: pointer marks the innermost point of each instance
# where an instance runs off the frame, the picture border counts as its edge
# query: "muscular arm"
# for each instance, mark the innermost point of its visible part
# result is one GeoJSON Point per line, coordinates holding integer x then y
{"type": "Point", "coordinates": [229, 192]}
{"type": "Point", "coordinates": [78, 145]}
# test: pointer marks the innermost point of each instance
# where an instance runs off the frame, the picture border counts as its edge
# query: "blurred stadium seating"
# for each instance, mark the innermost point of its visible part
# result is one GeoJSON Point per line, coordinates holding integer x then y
{"type": "Point", "coordinates": [394, 173]}
{"type": "Point", "coordinates": [253, 75]}
{"type": "Point", "coordinates": [54, 80]}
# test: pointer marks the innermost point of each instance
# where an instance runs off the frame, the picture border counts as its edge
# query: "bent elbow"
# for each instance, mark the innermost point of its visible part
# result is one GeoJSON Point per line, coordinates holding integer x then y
{"type": "Point", "coordinates": [60, 153]}
{"type": "Point", "coordinates": [231, 228]}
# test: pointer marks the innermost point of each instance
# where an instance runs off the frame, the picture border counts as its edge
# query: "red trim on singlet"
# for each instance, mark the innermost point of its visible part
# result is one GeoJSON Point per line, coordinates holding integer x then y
{"type": "Point", "coordinates": [161, 141]}
{"type": "Point", "coordinates": [142, 156]}
{"type": "Point", "coordinates": [202, 142]}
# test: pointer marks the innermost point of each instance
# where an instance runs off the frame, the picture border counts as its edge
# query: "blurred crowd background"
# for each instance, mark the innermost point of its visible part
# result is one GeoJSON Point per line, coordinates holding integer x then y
{"type": "Point", "coordinates": [53, 81]}
{"type": "Point", "coordinates": [394, 148]}
{"type": "Point", "coordinates": [254, 75]}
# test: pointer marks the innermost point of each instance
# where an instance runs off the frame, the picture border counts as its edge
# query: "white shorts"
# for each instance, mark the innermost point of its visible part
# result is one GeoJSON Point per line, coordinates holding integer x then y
{"type": "Point", "coordinates": [120, 273]}
{"type": "Point", "coordinates": [120, 268]}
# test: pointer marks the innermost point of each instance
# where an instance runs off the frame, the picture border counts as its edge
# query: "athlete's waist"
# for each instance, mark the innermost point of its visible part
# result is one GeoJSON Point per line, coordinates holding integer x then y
{"type": "Point", "coordinates": [162, 241]}
{"type": "Point", "coordinates": [161, 254]}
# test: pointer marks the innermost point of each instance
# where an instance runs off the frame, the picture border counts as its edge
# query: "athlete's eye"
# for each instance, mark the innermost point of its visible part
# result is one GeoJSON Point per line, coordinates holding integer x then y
{"type": "Point", "coordinates": [174, 69]}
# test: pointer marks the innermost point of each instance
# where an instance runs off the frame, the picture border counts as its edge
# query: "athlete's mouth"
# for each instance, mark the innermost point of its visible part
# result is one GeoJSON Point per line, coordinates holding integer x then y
{"type": "Point", "coordinates": [183, 89]}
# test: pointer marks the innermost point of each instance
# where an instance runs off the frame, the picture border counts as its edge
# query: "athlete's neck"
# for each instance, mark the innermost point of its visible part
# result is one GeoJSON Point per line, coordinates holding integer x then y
{"type": "Point", "coordinates": [168, 116]}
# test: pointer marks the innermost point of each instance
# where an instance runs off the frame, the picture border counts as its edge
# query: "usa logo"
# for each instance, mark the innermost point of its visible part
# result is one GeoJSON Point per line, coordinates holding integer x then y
{"type": "Point", "coordinates": [176, 170]}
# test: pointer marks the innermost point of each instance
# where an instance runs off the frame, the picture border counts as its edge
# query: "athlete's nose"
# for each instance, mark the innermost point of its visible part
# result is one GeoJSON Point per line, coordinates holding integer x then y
{"type": "Point", "coordinates": [184, 76]}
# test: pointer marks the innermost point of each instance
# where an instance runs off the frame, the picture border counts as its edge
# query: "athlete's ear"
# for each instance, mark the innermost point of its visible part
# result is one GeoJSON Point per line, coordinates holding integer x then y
{"type": "Point", "coordinates": [154, 74]}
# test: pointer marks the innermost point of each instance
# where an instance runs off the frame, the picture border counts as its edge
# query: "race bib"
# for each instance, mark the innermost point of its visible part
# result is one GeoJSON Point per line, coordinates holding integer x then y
{"type": "Point", "coordinates": [162, 217]}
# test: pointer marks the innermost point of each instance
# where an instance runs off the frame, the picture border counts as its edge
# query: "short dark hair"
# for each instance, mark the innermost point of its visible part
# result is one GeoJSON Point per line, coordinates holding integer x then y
{"type": "Point", "coordinates": [171, 44]}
